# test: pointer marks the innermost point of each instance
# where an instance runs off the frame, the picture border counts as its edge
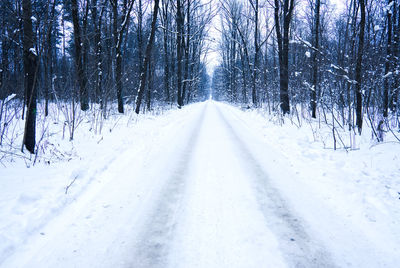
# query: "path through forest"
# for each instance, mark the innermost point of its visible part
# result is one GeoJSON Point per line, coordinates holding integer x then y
{"type": "Point", "coordinates": [204, 196]}
{"type": "Point", "coordinates": [218, 209]}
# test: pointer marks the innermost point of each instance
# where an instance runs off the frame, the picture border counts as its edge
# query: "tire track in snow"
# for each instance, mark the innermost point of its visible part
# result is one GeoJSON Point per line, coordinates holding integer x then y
{"type": "Point", "coordinates": [299, 249]}
{"type": "Point", "coordinates": [154, 243]}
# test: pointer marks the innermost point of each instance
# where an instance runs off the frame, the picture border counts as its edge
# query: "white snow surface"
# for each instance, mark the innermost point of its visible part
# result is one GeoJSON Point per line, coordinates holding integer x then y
{"type": "Point", "coordinates": [8, 98]}
{"type": "Point", "coordinates": [209, 185]}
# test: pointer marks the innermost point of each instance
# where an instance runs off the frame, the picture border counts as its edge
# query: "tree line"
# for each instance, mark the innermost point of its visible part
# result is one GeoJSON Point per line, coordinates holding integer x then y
{"type": "Point", "coordinates": [306, 57]}
{"type": "Point", "coordinates": [100, 52]}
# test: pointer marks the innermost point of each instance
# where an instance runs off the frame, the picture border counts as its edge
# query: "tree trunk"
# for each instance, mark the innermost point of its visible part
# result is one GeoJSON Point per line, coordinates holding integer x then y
{"type": "Point", "coordinates": [244, 79]}
{"type": "Point", "coordinates": [359, 119]}
{"type": "Point", "coordinates": [118, 80]}
{"type": "Point", "coordinates": [48, 81]}
{"type": "Point", "coordinates": [179, 37]}
{"type": "Point", "coordinates": [30, 77]}
{"type": "Point", "coordinates": [118, 59]}
{"type": "Point", "coordinates": [396, 54]}
{"type": "Point", "coordinates": [283, 51]}
{"type": "Point", "coordinates": [149, 86]}
{"type": "Point", "coordinates": [140, 34]}
{"type": "Point", "coordinates": [386, 84]}
{"type": "Point", "coordinates": [147, 57]}
{"type": "Point", "coordinates": [186, 50]}
{"type": "Point", "coordinates": [82, 80]}
{"type": "Point", "coordinates": [315, 61]}
{"type": "Point", "coordinates": [232, 63]}
{"type": "Point", "coordinates": [85, 47]}
{"type": "Point", "coordinates": [166, 58]}
{"type": "Point", "coordinates": [118, 35]}
{"type": "Point", "coordinates": [97, 21]}
{"type": "Point", "coordinates": [256, 48]}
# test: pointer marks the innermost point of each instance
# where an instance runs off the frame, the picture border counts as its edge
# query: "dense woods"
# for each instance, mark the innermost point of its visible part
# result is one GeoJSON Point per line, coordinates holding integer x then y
{"type": "Point", "coordinates": [307, 58]}
{"type": "Point", "coordinates": [100, 56]}
{"type": "Point", "coordinates": [313, 60]}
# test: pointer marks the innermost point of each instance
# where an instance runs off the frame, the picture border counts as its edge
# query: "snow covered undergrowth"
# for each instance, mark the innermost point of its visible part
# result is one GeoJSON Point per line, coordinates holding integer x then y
{"type": "Point", "coordinates": [352, 199]}
{"type": "Point", "coordinates": [65, 171]}
{"type": "Point", "coordinates": [187, 189]}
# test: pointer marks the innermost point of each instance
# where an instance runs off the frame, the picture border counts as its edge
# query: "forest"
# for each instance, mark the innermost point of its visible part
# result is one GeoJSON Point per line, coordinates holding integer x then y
{"type": "Point", "coordinates": [306, 60]}
{"type": "Point", "coordinates": [199, 133]}
{"type": "Point", "coordinates": [68, 56]}
{"type": "Point", "coordinates": [311, 59]}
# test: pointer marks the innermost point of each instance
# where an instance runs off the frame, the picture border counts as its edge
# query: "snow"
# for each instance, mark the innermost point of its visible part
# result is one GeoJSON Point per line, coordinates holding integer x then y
{"type": "Point", "coordinates": [388, 7]}
{"type": "Point", "coordinates": [205, 186]}
{"type": "Point", "coordinates": [308, 54]}
{"type": "Point", "coordinates": [335, 67]}
{"type": "Point", "coordinates": [10, 97]}
{"type": "Point", "coordinates": [350, 200]}
{"type": "Point", "coordinates": [306, 43]}
{"type": "Point", "coordinates": [387, 75]}
{"type": "Point", "coordinates": [33, 51]}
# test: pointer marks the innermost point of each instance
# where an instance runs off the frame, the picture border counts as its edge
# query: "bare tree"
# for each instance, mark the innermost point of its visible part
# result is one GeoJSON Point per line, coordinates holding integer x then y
{"type": "Point", "coordinates": [359, 116]}
{"type": "Point", "coordinates": [97, 24]}
{"type": "Point", "coordinates": [396, 54]}
{"type": "Point", "coordinates": [179, 47]}
{"type": "Point", "coordinates": [165, 22]}
{"type": "Point", "coordinates": [30, 71]}
{"type": "Point", "coordinates": [315, 59]}
{"type": "Point", "coordinates": [388, 60]}
{"type": "Point", "coordinates": [118, 32]}
{"type": "Point", "coordinates": [48, 68]}
{"type": "Point", "coordinates": [147, 58]}
{"type": "Point", "coordinates": [255, 6]}
{"type": "Point", "coordinates": [186, 47]}
{"type": "Point", "coordinates": [285, 12]}
{"type": "Point", "coordinates": [82, 79]}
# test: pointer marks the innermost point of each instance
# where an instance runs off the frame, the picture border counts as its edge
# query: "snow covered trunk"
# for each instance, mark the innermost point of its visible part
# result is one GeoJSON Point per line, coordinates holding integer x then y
{"type": "Point", "coordinates": [396, 51]}
{"type": "Point", "coordinates": [118, 59]}
{"type": "Point", "coordinates": [97, 19]}
{"type": "Point", "coordinates": [388, 65]}
{"type": "Point", "coordinates": [30, 77]}
{"type": "Point", "coordinates": [315, 61]}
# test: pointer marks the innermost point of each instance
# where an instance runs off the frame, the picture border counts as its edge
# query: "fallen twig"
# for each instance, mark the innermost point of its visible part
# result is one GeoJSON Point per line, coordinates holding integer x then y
{"type": "Point", "coordinates": [72, 182]}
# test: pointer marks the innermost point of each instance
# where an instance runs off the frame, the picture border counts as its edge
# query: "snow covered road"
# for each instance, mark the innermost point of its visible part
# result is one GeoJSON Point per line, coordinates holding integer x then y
{"type": "Point", "coordinates": [218, 210]}
{"type": "Point", "coordinates": [207, 193]}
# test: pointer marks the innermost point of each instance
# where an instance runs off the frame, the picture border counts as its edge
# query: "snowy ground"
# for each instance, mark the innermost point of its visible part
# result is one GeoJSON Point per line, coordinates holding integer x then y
{"type": "Point", "coordinates": [205, 186]}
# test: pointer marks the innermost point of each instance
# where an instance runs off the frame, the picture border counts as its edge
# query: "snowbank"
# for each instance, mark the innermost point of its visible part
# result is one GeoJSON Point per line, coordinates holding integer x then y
{"type": "Point", "coordinates": [33, 195]}
{"type": "Point", "coordinates": [351, 198]}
